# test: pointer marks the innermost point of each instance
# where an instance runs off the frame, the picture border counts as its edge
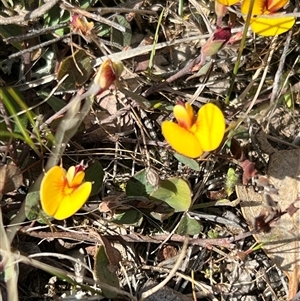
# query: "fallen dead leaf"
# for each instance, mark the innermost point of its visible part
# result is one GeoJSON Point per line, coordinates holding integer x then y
{"type": "Point", "coordinates": [10, 178]}
{"type": "Point", "coordinates": [109, 107]}
{"type": "Point", "coordinates": [282, 242]}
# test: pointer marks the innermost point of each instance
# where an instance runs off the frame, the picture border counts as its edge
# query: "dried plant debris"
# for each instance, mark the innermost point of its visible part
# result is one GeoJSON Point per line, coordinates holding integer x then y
{"type": "Point", "coordinates": [274, 213]}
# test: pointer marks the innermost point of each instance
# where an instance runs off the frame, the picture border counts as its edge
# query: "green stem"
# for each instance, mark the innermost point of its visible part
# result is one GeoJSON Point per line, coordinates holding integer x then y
{"type": "Point", "coordinates": [242, 46]}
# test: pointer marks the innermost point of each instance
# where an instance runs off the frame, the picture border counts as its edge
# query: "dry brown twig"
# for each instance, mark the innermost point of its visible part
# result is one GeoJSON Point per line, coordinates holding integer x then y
{"type": "Point", "coordinates": [171, 274]}
{"type": "Point", "coordinates": [29, 15]}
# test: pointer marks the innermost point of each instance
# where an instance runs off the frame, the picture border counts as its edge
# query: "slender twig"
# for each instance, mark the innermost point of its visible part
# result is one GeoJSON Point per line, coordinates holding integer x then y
{"type": "Point", "coordinates": [35, 33]}
{"type": "Point", "coordinates": [278, 75]}
{"type": "Point", "coordinates": [41, 45]}
{"type": "Point", "coordinates": [8, 264]}
{"type": "Point", "coordinates": [120, 10]}
{"type": "Point", "coordinates": [226, 242]}
{"type": "Point", "coordinates": [171, 273]}
{"type": "Point", "coordinates": [29, 15]}
{"type": "Point", "coordinates": [95, 17]}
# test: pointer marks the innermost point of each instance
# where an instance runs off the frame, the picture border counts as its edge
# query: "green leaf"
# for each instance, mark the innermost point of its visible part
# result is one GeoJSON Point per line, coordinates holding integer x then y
{"type": "Point", "coordinates": [14, 104]}
{"type": "Point", "coordinates": [9, 97]}
{"type": "Point", "coordinates": [20, 101]}
{"type": "Point", "coordinates": [11, 30]}
{"type": "Point", "coordinates": [4, 133]}
{"type": "Point", "coordinates": [288, 100]}
{"type": "Point", "coordinates": [175, 192]}
{"type": "Point", "coordinates": [213, 234]}
{"type": "Point", "coordinates": [76, 77]}
{"type": "Point", "coordinates": [87, 3]}
{"type": "Point", "coordinates": [189, 225]}
{"type": "Point", "coordinates": [128, 217]}
{"type": "Point", "coordinates": [231, 181]}
{"type": "Point", "coordinates": [54, 102]}
{"type": "Point", "coordinates": [155, 40]}
{"type": "Point", "coordinates": [212, 47]}
{"type": "Point", "coordinates": [104, 273]}
{"type": "Point", "coordinates": [191, 163]}
{"type": "Point", "coordinates": [32, 207]}
{"type": "Point", "coordinates": [55, 16]}
{"type": "Point", "coordinates": [139, 185]}
{"type": "Point", "coordinates": [118, 37]}
{"type": "Point", "coordinates": [104, 31]}
{"type": "Point", "coordinates": [95, 174]}
{"type": "Point", "coordinates": [33, 210]}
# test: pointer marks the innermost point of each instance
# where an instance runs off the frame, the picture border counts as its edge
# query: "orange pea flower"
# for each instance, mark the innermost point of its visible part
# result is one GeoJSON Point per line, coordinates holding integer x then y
{"type": "Point", "coordinates": [193, 135]}
{"type": "Point", "coordinates": [63, 192]}
{"type": "Point", "coordinates": [81, 26]}
{"type": "Point", "coordinates": [107, 74]}
{"type": "Point", "coordinates": [267, 26]}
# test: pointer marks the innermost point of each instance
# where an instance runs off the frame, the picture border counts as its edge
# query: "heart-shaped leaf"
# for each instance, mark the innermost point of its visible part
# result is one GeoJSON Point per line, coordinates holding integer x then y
{"type": "Point", "coordinates": [189, 225]}
{"type": "Point", "coordinates": [95, 175]}
{"type": "Point", "coordinates": [139, 184]}
{"type": "Point", "coordinates": [105, 272]}
{"type": "Point", "coordinates": [79, 73]}
{"type": "Point", "coordinates": [174, 191]}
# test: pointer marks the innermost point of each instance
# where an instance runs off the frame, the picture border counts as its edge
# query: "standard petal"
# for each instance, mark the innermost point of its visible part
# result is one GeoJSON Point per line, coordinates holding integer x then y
{"type": "Point", "coordinates": [259, 7]}
{"type": "Point", "coordinates": [181, 140]}
{"type": "Point", "coordinates": [184, 115]}
{"type": "Point", "coordinates": [107, 74]}
{"type": "Point", "coordinates": [228, 2]}
{"type": "Point", "coordinates": [52, 189]}
{"type": "Point", "coordinates": [73, 202]}
{"type": "Point", "coordinates": [270, 26]}
{"type": "Point", "coordinates": [210, 127]}
{"type": "Point", "coordinates": [275, 5]}
{"type": "Point", "coordinates": [81, 25]}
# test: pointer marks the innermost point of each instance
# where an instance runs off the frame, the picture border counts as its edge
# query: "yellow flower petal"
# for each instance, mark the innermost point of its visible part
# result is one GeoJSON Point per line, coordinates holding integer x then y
{"type": "Point", "coordinates": [52, 186]}
{"type": "Point", "coordinates": [71, 203]}
{"type": "Point", "coordinates": [78, 179]}
{"type": "Point", "coordinates": [210, 127]}
{"type": "Point", "coordinates": [70, 174]}
{"type": "Point", "coordinates": [184, 115]}
{"type": "Point", "coordinates": [271, 27]}
{"type": "Point", "coordinates": [259, 7]}
{"type": "Point", "coordinates": [181, 140]}
{"type": "Point", "coordinates": [228, 2]}
{"type": "Point", "coordinates": [58, 198]}
{"type": "Point", "coordinates": [267, 26]}
{"type": "Point", "coordinates": [74, 178]}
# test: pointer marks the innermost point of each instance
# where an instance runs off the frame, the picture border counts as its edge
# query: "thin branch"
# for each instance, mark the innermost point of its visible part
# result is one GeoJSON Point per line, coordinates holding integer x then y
{"type": "Point", "coordinates": [29, 15]}
{"type": "Point", "coordinates": [41, 45]}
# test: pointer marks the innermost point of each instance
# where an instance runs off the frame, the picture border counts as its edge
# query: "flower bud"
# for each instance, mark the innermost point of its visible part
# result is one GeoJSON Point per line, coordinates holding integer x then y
{"type": "Point", "coordinates": [107, 74]}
